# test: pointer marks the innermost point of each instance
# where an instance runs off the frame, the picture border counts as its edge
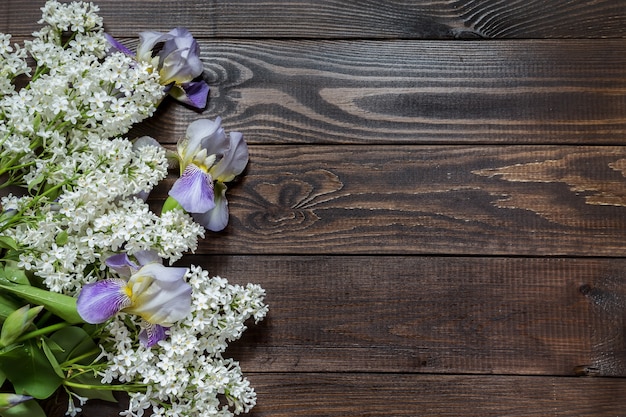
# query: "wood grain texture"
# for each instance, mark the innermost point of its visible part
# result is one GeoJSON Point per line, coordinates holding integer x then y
{"type": "Point", "coordinates": [448, 19]}
{"type": "Point", "coordinates": [439, 223]}
{"type": "Point", "coordinates": [420, 92]}
{"type": "Point", "coordinates": [323, 395]}
{"type": "Point", "coordinates": [443, 315]}
{"type": "Point", "coordinates": [373, 395]}
{"type": "Point", "coordinates": [480, 200]}
{"type": "Point", "coordinates": [367, 92]}
{"type": "Point", "coordinates": [5, 17]}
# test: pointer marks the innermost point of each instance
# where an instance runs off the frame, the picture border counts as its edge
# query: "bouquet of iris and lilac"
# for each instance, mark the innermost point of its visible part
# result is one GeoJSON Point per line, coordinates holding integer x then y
{"type": "Point", "coordinates": [89, 300]}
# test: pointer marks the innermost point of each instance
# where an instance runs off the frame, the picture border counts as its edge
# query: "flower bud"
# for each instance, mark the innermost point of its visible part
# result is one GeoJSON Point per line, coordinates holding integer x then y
{"type": "Point", "coordinates": [8, 400]}
{"type": "Point", "coordinates": [16, 323]}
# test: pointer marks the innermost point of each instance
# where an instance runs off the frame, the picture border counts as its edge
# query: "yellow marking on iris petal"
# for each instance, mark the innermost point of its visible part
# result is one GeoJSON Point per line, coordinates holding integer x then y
{"type": "Point", "coordinates": [128, 291]}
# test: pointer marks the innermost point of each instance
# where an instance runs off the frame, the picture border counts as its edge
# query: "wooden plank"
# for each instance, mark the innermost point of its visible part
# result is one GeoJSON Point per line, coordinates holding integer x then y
{"type": "Point", "coordinates": [5, 18]}
{"type": "Point", "coordinates": [527, 316]}
{"type": "Point", "coordinates": [317, 395]}
{"type": "Point", "coordinates": [352, 19]}
{"type": "Point", "coordinates": [367, 92]}
{"type": "Point", "coordinates": [478, 200]}
{"type": "Point", "coordinates": [374, 92]}
{"type": "Point", "coordinates": [322, 395]}
{"type": "Point", "coordinates": [385, 335]}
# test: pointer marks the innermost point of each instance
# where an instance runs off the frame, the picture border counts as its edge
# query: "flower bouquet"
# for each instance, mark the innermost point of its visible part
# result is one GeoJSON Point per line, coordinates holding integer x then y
{"type": "Point", "coordinates": [91, 300]}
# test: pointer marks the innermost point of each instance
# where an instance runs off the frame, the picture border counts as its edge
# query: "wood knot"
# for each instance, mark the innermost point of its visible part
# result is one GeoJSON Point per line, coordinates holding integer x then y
{"type": "Point", "coordinates": [585, 289]}
{"type": "Point", "coordinates": [586, 370]}
{"type": "Point", "coordinates": [290, 202]}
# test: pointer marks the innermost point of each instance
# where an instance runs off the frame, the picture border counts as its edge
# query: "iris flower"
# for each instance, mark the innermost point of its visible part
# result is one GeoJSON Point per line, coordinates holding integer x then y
{"type": "Point", "coordinates": [8, 400]}
{"type": "Point", "coordinates": [156, 293]}
{"type": "Point", "coordinates": [176, 57]}
{"type": "Point", "coordinates": [208, 159]}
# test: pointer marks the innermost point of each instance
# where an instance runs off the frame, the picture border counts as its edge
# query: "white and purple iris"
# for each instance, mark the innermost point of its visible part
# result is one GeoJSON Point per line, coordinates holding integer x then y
{"type": "Point", "coordinates": [156, 293]}
{"type": "Point", "coordinates": [175, 55]}
{"type": "Point", "coordinates": [208, 159]}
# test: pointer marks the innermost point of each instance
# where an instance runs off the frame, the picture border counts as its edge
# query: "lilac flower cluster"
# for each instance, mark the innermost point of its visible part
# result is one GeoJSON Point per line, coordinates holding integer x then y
{"type": "Point", "coordinates": [76, 225]}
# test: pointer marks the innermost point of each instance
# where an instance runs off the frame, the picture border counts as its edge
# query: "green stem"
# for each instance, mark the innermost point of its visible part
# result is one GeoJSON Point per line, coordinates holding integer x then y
{"type": "Point", "coordinates": [42, 331]}
{"type": "Point", "coordinates": [9, 165]}
{"type": "Point", "coordinates": [78, 370]}
{"type": "Point", "coordinates": [39, 71]}
{"type": "Point", "coordinates": [125, 387]}
{"type": "Point", "coordinates": [20, 166]}
{"type": "Point", "coordinates": [17, 216]}
{"type": "Point", "coordinates": [8, 183]}
{"type": "Point", "coordinates": [80, 358]}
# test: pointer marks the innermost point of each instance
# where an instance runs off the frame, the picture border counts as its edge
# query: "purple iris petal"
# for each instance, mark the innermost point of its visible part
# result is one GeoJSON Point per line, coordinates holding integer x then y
{"type": "Point", "coordinates": [121, 264]}
{"type": "Point", "coordinates": [217, 218]}
{"type": "Point", "coordinates": [117, 45]}
{"type": "Point", "coordinates": [156, 293]}
{"type": "Point", "coordinates": [179, 59]}
{"type": "Point", "coordinates": [160, 294]}
{"type": "Point", "coordinates": [234, 160]}
{"type": "Point", "coordinates": [142, 195]}
{"type": "Point", "coordinates": [124, 266]}
{"type": "Point", "coordinates": [99, 301]}
{"type": "Point", "coordinates": [194, 93]}
{"type": "Point", "coordinates": [194, 190]}
{"type": "Point", "coordinates": [177, 54]}
{"type": "Point", "coordinates": [145, 257]}
{"type": "Point", "coordinates": [173, 69]}
{"type": "Point", "coordinates": [151, 334]}
{"type": "Point", "coordinates": [147, 41]}
{"type": "Point", "coordinates": [204, 134]}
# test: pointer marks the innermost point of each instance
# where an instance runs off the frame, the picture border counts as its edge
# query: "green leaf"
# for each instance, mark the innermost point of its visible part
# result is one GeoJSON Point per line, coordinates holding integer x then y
{"type": "Point", "coordinates": [73, 342]}
{"type": "Point", "coordinates": [7, 306]}
{"type": "Point", "coordinates": [61, 305]}
{"type": "Point", "coordinates": [53, 346]}
{"type": "Point", "coordinates": [36, 181]}
{"type": "Point", "coordinates": [36, 122]}
{"type": "Point", "coordinates": [15, 275]}
{"type": "Point", "coordinates": [28, 409]}
{"type": "Point", "coordinates": [92, 329]}
{"type": "Point", "coordinates": [170, 204]}
{"type": "Point", "coordinates": [7, 242]}
{"type": "Point", "coordinates": [5, 216]}
{"type": "Point", "coordinates": [29, 370]}
{"type": "Point", "coordinates": [61, 238]}
{"type": "Point", "coordinates": [10, 255]}
{"type": "Point", "coordinates": [52, 359]}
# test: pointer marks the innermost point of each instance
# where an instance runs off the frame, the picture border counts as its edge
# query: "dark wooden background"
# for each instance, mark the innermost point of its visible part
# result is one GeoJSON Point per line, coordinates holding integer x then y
{"type": "Point", "coordinates": [435, 200]}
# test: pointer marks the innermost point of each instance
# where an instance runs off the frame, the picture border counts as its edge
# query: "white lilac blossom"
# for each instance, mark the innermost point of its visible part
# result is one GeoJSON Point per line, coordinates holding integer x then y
{"type": "Point", "coordinates": [74, 208]}
{"type": "Point", "coordinates": [12, 64]}
{"type": "Point", "coordinates": [96, 215]}
{"type": "Point", "coordinates": [148, 289]}
{"type": "Point", "coordinates": [175, 57]}
{"type": "Point", "coordinates": [63, 242]}
{"type": "Point", "coordinates": [208, 160]}
{"type": "Point", "coordinates": [189, 374]}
